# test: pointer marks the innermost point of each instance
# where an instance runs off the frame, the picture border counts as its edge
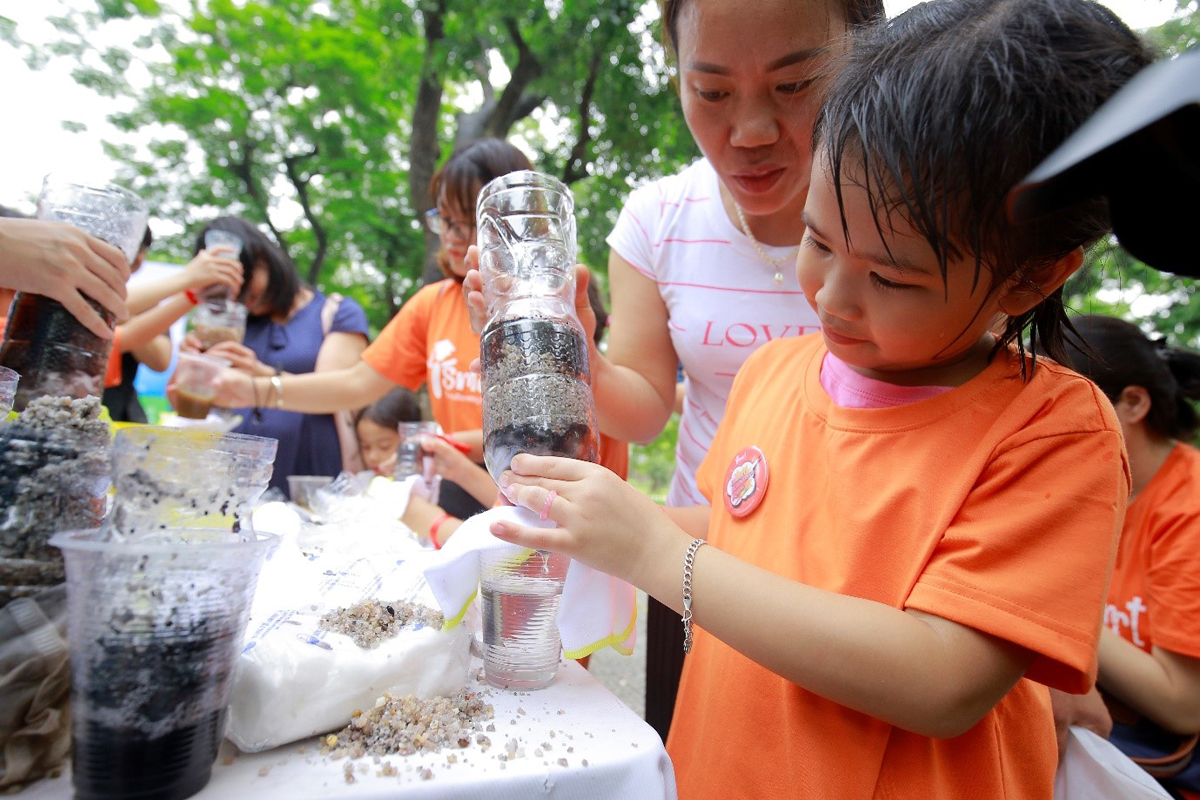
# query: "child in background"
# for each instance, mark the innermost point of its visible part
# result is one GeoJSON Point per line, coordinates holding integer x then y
{"type": "Point", "coordinates": [377, 427]}
{"type": "Point", "coordinates": [912, 521]}
{"type": "Point", "coordinates": [1150, 649]}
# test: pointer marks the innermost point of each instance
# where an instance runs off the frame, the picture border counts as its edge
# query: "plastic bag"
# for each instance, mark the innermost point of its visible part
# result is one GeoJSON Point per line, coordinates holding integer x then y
{"type": "Point", "coordinates": [296, 680]}
{"type": "Point", "coordinates": [1094, 769]}
{"type": "Point", "coordinates": [35, 729]}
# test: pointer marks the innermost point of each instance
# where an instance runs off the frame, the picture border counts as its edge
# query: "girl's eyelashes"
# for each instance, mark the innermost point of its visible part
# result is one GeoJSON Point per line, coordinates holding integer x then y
{"type": "Point", "coordinates": [809, 241]}
{"type": "Point", "coordinates": [884, 283]}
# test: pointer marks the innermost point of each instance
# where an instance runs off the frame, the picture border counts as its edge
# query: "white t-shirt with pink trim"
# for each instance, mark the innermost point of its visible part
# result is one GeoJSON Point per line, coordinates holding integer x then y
{"type": "Point", "coordinates": [720, 295]}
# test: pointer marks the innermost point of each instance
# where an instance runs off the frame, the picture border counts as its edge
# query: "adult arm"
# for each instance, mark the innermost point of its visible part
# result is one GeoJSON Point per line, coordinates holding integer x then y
{"type": "Point", "coordinates": [156, 355]}
{"type": "Point", "coordinates": [634, 384]}
{"type": "Point", "coordinates": [146, 326]}
{"type": "Point", "coordinates": [311, 393]}
{"type": "Point", "coordinates": [208, 268]}
{"type": "Point", "coordinates": [63, 263]}
{"type": "Point", "coordinates": [1161, 685]}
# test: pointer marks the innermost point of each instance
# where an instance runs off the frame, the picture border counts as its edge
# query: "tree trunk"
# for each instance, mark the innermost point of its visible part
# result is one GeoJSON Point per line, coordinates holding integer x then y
{"type": "Point", "coordinates": [424, 150]}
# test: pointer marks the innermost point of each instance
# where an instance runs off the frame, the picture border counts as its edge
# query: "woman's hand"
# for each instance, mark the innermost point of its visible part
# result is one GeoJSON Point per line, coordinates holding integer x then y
{"type": "Point", "coordinates": [235, 389]}
{"type": "Point", "coordinates": [63, 263]}
{"type": "Point", "coordinates": [602, 521]}
{"type": "Point", "coordinates": [215, 268]}
{"type": "Point", "coordinates": [472, 289]}
{"type": "Point", "coordinates": [240, 357]}
{"type": "Point", "coordinates": [1085, 710]}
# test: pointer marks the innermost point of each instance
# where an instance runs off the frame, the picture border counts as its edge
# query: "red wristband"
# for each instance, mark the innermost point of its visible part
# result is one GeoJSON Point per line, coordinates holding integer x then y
{"type": "Point", "coordinates": [191, 296]}
{"type": "Point", "coordinates": [433, 529]}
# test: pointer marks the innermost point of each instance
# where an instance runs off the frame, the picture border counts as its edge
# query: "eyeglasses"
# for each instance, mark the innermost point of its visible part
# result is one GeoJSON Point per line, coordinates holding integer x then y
{"type": "Point", "coordinates": [442, 226]}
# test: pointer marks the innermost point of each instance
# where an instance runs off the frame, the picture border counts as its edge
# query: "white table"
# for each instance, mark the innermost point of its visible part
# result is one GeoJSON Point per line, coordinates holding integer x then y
{"type": "Point", "coordinates": [625, 757]}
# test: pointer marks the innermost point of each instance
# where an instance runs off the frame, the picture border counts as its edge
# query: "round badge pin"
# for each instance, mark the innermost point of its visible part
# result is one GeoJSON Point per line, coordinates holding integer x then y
{"type": "Point", "coordinates": [746, 481]}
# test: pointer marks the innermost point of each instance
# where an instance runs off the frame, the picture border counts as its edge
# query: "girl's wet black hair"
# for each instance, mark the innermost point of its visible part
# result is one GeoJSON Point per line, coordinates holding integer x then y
{"type": "Point", "coordinates": [283, 280]}
{"type": "Point", "coordinates": [941, 110]}
{"type": "Point", "coordinates": [1115, 354]}
{"type": "Point", "coordinates": [398, 405]}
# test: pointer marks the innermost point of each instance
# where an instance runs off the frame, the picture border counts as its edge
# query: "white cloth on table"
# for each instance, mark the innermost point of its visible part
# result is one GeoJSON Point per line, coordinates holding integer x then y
{"type": "Point", "coordinates": [1093, 768]}
{"type": "Point", "coordinates": [596, 611]}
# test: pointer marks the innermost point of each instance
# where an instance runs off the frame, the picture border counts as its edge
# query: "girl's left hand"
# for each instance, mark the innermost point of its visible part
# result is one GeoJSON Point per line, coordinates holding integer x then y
{"type": "Point", "coordinates": [602, 520]}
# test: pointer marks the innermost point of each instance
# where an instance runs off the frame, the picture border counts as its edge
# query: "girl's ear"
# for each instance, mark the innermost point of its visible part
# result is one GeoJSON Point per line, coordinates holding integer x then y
{"type": "Point", "coordinates": [1132, 405]}
{"type": "Point", "coordinates": [1025, 291]}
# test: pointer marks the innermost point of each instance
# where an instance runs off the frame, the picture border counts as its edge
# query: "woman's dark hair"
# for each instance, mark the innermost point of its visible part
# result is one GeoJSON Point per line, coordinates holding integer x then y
{"type": "Point", "coordinates": [147, 239]}
{"type": "Point", "coordinates": [467, 171]}
{"type": "Point", "coordinates": [398, 405]}
{"type": "Point", "coordinates": [1115, 354]}
{"type": "Point", "coordinates": [597, 304]}
{"type": "Point", "coordinates": [941, 110]}
{"type": "Point", "coordinates": [283, 281]}
{"type": "Point", "coordinates": [854, 12]}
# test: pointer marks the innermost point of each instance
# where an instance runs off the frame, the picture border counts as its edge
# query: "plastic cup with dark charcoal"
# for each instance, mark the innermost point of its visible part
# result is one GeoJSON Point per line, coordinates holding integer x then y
{"type": "Point", "coordinates": [155, 624]}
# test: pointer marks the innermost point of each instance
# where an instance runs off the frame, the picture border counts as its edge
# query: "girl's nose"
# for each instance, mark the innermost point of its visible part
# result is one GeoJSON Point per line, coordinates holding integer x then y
{"type": "Point", "coordinates": [838, 297]}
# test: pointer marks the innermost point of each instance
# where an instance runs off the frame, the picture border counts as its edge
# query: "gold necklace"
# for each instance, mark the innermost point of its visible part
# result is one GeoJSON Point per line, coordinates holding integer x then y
{"type": "Point", "coordinates": [777, 263]}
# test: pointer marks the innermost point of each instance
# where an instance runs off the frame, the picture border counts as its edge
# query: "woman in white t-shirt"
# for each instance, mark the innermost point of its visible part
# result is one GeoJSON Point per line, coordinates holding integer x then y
{"type": "Point", "coordinates": [702, 267]}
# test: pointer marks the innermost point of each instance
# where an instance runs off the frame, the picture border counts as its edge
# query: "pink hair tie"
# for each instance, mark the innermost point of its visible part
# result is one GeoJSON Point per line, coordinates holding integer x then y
{"type": "Point", "coordinates": [545, 515]}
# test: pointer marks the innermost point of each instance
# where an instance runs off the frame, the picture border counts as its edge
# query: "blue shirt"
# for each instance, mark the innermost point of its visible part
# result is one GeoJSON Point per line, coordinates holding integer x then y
{"type": "Point", "coordinates": [308, 443]}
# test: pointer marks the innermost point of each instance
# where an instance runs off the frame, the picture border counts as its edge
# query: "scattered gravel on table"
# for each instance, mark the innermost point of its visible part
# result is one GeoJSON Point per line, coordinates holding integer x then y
{"type": "Point", "coordinates": [406, 725]}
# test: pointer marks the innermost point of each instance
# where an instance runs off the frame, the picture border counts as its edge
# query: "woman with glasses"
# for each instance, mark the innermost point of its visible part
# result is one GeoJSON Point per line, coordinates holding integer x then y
{"type": "Point", "coordinates": [291, 330]}
{"type": "Point", "coordinates": [429, 342]}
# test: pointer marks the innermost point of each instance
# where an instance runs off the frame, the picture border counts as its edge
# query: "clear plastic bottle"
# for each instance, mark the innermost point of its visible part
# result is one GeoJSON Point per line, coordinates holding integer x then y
{"type": "Point", "coordinates": [533, 352]}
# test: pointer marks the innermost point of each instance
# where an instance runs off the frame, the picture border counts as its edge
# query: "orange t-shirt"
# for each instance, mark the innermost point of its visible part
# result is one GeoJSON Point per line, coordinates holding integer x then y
{"type": "Point", "coordinates": [995, 505]}
{"type": "Point", "coordinates": [431, 341]}
{"type": "Point", "coordinates": [112, 373]}
{"type": "Point", "coordinates": [1154, 597]}
{"type": "Point", "coordinates": [614, 454]}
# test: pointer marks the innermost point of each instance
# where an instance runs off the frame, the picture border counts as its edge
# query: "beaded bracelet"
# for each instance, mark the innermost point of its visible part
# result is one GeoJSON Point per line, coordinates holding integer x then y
{"type": "Point", "coordinates": [689, 561]}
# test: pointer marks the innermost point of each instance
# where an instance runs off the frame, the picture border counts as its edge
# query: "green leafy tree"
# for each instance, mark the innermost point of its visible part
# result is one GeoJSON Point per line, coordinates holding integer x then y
{"type": "Point", "coordinates": [325, 122]}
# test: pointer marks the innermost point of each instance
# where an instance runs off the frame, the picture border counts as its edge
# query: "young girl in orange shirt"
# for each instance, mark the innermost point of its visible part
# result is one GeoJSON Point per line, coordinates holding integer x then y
{"type": "Point", "coordinates": [912, 521]}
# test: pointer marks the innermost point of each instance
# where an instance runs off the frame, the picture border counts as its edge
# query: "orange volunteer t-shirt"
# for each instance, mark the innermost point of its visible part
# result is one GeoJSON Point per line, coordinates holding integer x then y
{"type": "Point", "coordinates": [112, 373]}
{"type": "Point", "coordinates": [996, 505]}
{"type": "Point", "coordinates": [430, 341]}
{"type": "Point", "coordinates": [1154, 597]}
{"type": "Point", "coordinates": [614, 454]}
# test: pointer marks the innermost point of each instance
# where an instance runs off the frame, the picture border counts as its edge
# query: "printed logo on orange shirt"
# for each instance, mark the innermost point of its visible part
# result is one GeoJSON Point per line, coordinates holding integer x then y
{"type": "Point", "coordinates": [746, 481]}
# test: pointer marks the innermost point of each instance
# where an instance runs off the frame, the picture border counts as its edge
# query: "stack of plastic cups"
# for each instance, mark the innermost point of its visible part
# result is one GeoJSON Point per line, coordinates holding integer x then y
{"type": "Point", "coordinates": [155, 624]}
{"type": "Point", "coordinates": [171, 478]}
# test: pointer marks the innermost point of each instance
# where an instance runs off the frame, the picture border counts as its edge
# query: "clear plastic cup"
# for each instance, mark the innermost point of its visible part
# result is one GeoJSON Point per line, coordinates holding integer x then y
{"type": "Point", "coordinates": [410, 459]}
{"type": "Point", "coordinates": [174, 477]}
{"type": "Point", "coordinates": [213, 239]}
{"type": "Point", "coordinates": [521, 590]}
{"type": "Point", "coordinates": [154, 627]}
{"type": "Point", "coordinates": [196, 384]}
{"type": "Point", "coordinates": [106, 211]}
{"type": "Point", "coordinates": [302, 487]}
{"type": "Point", "coordinates": [218, 320]}
{"type": "Point", "coordinates": [8, 390]}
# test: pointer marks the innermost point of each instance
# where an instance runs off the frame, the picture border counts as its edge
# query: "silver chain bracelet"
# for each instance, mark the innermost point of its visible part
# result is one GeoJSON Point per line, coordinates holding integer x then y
{"type": "Point", "coordinates": [689, 561]}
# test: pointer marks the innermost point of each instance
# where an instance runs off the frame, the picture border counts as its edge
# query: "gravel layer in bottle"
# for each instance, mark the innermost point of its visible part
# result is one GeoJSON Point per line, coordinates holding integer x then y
{"type": "Point", "coordinates": [514, 348]}
{"type": "Point", "coordinates": [54, 465]}
{"type": "Point", "coordinates": [406, 725]}
{"type": "Point", "coordinates": [370, 622]}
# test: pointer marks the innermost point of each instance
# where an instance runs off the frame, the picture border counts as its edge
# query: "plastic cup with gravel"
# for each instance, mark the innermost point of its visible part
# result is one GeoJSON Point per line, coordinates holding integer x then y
{"type": "Point", "coordinates": [521, 592]}
{"type": "Point", "coordinates": [301, 488]}
{"type": "Point", "coordinates": [155, 624]}
{"type": "Point", "coordinates": [232, 248]}
{"type": "Point", "coordinates": [176, 477]}
{"type": "Point", "coordinates": [8, 390]}
{"type": "Point", "coordinates": [196, 384]}
{"type": "Point", "coordinates": [219, 320]}
{"type": "Point", "coordinates": [44, 342]}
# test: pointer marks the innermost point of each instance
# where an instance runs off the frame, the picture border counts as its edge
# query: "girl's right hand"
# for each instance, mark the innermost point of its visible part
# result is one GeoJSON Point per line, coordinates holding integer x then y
{"type": "Point", "coordinates": [448, 461]}
{"type": "Point", "coordinates": [215, 268]}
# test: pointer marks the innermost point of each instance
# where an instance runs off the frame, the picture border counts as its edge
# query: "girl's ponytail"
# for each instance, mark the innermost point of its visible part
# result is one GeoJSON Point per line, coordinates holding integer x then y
{"type": "Point", "coordinates": [1184, 366]}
